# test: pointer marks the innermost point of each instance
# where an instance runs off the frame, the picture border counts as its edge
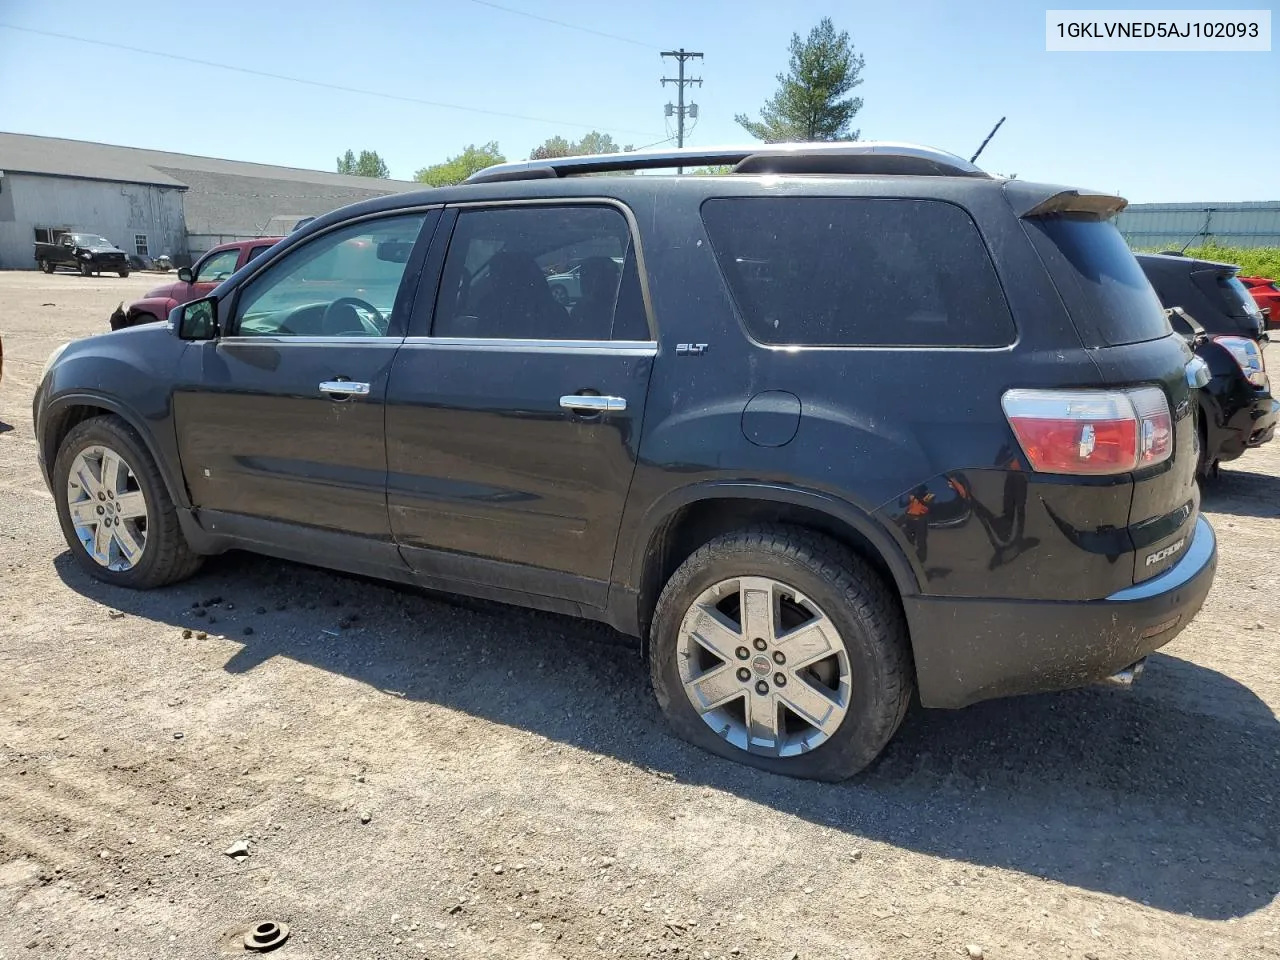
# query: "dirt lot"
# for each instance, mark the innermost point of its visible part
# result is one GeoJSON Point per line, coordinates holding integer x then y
{"type": "Point", "coordinates": [423, 778]}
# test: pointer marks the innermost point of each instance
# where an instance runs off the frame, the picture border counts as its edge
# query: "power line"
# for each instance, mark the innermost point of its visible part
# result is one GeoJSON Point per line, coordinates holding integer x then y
{"type": "Point", "coordinates": [562, 23]}
{"type": "Point", "coordinates": [321, 83]}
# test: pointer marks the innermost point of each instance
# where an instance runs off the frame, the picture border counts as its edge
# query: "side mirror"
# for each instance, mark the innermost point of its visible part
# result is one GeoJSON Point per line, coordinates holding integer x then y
{"type": "Point", "coordinates": [185, 275]}
{"type": "Point", "coordinates": [197, 320]}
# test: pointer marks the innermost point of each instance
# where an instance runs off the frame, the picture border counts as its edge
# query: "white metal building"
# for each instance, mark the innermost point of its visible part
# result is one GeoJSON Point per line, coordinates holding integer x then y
{"type": "Point", "coordinates": [153, 202]}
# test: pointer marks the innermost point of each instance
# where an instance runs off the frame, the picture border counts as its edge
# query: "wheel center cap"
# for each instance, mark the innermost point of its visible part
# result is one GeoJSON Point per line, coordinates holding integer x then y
{"type": "Point", "coordinates": [761, 665]}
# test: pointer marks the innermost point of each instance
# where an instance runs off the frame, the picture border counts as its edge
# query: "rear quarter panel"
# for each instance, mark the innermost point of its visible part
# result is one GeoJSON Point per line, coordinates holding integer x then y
{"type": "Point", "coordinates": [876, 423]}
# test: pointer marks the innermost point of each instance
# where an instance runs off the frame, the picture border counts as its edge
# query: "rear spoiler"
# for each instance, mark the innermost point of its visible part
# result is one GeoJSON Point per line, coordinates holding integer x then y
{"type": "Point", "coordinates": [1039, 200]}
{"type": "Point", "coordinates": [1077, 206]}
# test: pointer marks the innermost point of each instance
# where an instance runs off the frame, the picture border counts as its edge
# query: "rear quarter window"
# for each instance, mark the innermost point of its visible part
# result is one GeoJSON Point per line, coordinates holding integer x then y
{"type": "Point", "coordinates": [858, 272]}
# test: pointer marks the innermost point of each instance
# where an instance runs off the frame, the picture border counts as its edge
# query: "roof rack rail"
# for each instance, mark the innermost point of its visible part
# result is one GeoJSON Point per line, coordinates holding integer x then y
{"type": "Point", "coordinates": [884, 158]}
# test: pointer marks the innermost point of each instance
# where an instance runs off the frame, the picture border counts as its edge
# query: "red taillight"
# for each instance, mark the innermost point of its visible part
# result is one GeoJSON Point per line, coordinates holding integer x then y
{"type": "Point", "coordinates": [1091, 431]}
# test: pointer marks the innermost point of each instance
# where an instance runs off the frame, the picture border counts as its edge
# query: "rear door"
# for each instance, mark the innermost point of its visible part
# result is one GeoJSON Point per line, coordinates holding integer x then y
{"type": "Point", "coordinates": [1122, 323]}
{"type": "Point", "coordinates": [513, 418]}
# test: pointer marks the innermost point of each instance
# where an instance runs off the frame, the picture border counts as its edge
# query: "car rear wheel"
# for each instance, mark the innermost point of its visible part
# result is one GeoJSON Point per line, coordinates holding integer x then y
{"type": "Point", "coordinates": [46, 266]}
{"type": "Point", "coordinates": [115, 511]}
{"type": "Point", "coordinates": [783, 650]}
{"type": "Point", "coordinates": [123, 273]}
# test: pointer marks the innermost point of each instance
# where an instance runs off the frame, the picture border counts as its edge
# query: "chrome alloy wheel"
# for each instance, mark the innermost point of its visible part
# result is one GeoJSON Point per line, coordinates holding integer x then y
{"type": "Point", "coordinates": [764, 667]}
{"type": "Point", "coordinates": [107, 508]}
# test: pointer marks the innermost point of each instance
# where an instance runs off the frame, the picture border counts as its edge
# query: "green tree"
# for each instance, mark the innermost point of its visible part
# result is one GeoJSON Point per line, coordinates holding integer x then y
{"type": "Point", "coordinates": [719, 170]}
{"type": "Point", "coordinates": [592, 143]}
{"type": "Point", "coordinates": [456, 169]}
{"type": "Point", "coordinates": [368, 164]}
{"type": "Point", "coordinates": [810, 103]}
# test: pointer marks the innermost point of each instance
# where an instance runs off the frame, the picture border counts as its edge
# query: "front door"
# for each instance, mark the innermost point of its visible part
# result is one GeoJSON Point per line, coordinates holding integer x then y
{"type": "Point", "coordinates": [281, 419]}
{"type": "Point", "coordinates": [512, 427]}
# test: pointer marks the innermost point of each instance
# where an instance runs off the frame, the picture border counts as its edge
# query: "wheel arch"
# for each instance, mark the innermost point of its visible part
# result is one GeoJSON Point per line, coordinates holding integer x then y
{"type": "Point", "coordinates": [69, 410]}
{"type": "Point", "coordinates": [686, 519]}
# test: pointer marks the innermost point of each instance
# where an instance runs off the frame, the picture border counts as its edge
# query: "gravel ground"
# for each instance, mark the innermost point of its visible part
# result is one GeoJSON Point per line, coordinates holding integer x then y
{"type": "Point", "coordinates": [420, 777]}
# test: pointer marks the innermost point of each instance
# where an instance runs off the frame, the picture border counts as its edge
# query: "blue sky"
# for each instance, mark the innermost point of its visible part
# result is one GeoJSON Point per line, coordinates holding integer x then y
{"type": "Point", "coordinates": [1154, 127]}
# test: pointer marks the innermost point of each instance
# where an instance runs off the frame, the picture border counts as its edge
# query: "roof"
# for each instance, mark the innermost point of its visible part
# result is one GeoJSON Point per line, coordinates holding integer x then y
{"type": "Point", "coordinates": [55, 156]}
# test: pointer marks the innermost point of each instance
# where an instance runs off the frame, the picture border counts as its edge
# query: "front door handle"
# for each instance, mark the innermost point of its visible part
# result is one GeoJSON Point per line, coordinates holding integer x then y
{"type": "Point", "coordinates": [344, 388]}
{"type": "Point", "coordinates": [589, 403]}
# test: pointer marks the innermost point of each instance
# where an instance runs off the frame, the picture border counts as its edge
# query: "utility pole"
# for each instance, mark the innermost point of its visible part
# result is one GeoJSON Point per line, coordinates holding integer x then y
{"type": "Point", "coordinates": [679, 110]}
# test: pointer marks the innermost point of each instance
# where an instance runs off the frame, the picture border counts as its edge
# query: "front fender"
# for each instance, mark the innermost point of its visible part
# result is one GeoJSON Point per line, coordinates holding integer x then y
{"type": "Point", "coordinates": [129, 373]}
{"type": "Point", "coordinates": [158, 307]}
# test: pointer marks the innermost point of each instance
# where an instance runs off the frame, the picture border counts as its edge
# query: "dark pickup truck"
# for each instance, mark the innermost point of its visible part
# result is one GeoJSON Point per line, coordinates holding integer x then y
{"type": "Point", "coordinates": [86, 252]}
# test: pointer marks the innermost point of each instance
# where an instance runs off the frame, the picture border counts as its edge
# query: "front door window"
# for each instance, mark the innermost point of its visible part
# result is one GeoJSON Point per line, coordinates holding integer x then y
{"type": "Point", "coordinates": [343, 283]}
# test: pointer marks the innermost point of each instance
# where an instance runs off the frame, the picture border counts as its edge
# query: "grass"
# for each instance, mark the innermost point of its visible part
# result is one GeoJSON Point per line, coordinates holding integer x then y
{"type": "Point", "coordinates": [1253, 261]}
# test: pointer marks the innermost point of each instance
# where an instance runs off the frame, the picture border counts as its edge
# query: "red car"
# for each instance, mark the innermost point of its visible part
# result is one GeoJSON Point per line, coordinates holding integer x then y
{"type": "Point", "coordinates": [192, 283]}
{"type": "Point", "coordinates": [1266, 294]}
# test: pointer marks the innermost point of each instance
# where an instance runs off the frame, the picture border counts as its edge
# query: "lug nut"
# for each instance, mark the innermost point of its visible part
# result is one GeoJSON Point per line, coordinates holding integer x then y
{"type": "Point", "coordinates": [102, 496]}
{"type": "Point", "coordinates": [110, 495]}
{"type": "Point", "coordinates": [744, 674]}
{"type": "Point", "coordinates": [778, 658]}
{"type": "Point", "coordinates": [762, 687]}
{"type": "Point", "coordinates": [100, 511]}
{"type": "Point", "coordinates": [759, 644]}
{"type": "Point", "coordinates": [780, 679]}
{"type": "Point", "coordinates": [743, 653]}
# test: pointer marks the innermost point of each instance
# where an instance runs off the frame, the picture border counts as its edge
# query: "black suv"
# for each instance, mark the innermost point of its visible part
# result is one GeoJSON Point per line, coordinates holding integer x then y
{"type": "Point", "coordinates": [853, 420]}
{"type": "Point", "coordinates": [1213, 310]}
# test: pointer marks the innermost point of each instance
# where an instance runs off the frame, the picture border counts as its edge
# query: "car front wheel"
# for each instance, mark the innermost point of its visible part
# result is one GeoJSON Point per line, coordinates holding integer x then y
{"type": "Point", "coordinates": [114, 509]}
{"type": "Point", "coordinates": [46, 266]}
{"type": "Point", "coordinates": [782, 649]}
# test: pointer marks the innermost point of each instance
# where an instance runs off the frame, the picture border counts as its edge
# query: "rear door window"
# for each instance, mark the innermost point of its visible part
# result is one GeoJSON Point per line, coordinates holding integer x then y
{"type": "Point", "coordinates": [541, 273]}
{"type": "Point", "coordinates": [858, 272]}
{"type": "Point", "coordinates": [1109, 297]}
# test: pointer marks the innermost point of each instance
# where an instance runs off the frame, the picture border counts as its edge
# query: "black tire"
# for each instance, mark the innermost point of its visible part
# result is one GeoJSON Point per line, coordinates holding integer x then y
{"type": "Point", "coordinates": [123, 273]}
{"type": "Point", "coordinates": [864, 610]}
{"type": "Point", "coordinates": [47, 267]}
{"type": "Point", "coordinates": [166, 556]}
{"type": "Point", "coordinates": [85, 269]}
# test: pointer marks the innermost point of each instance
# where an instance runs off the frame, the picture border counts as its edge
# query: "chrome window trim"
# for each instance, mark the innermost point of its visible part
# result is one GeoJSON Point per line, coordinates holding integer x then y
{"type": "Point", "coordinates": [636, 348]}
{"type": "Point", "coordinates": [627, 213]}
{"type": "Point", "coordinates": [276, 340]}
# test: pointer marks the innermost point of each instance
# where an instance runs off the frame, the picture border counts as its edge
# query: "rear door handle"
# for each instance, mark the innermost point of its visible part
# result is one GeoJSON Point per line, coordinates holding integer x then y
{"type": "Point", "coordinates": [344, 388]}
{"type": "Point", "coordinates": [592, 404]}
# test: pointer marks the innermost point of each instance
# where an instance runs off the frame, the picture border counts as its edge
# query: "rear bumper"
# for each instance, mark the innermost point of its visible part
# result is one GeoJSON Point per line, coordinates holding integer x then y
{"type": "Point", "coordinates": [1251, 425]}
{"type": "Point", "coordinates": [1264, 422]}
{"type": "Point", "coordinates": [970, 650]}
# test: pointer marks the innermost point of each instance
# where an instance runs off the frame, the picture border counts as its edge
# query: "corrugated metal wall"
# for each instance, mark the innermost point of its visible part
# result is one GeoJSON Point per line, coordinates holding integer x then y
{"type": "Point", "coordinates": [121, 212]}
{"type": "Point", "coordinates": [1161, 226]}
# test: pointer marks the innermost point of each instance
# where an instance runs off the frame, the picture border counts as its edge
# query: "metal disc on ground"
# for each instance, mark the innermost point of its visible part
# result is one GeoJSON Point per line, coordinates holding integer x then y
{"type": "Point", "coordinates": [266, 936]}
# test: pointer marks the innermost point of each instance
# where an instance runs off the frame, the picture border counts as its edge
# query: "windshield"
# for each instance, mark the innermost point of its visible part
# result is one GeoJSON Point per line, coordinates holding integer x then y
{"type": "Point", "coordinates": [90, 240]}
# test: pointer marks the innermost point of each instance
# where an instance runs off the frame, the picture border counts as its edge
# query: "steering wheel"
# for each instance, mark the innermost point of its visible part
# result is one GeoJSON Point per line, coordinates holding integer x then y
{"type": "Point", "coordinates": [380, 320]}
